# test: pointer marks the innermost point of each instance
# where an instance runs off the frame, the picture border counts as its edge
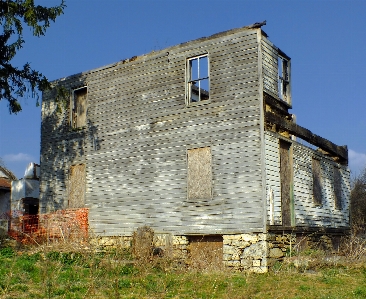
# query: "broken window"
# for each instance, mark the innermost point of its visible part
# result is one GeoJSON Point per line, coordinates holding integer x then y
{"type": "Point", "coordinates": [77, 186]}
{"type": "Point", "coordinates": [199, 164]}
{"type": "Point", "coordinates": [78, 108]}
{"type": "Point", "coordinates": [317, 182]}
{"type": "Point", "coordinates": [198, 79]}
{"type": "Point", "coordinates": [284, 79]}
{"type": "Point", "coordinates": [337, 185]}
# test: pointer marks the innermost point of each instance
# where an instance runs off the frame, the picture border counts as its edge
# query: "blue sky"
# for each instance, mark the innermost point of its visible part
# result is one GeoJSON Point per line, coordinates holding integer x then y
{"type": "Point", "coordinates": [324, 38]}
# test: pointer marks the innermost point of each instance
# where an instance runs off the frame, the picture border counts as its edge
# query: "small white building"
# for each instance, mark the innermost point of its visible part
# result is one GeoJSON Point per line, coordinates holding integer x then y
{"type": "Point", "coordinates": [25, 198]}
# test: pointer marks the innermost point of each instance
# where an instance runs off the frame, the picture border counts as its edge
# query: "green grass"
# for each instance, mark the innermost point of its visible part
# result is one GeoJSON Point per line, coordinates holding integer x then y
{"type": "Point", "coordinates": [57, 274]}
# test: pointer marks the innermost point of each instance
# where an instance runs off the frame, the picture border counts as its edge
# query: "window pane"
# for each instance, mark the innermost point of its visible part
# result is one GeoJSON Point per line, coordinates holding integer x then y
{"type": "Point", "coordinates": [203, 67]}
{"type": "Point", "coordinates": [198, 82]}
{"type": "Point", "coordinates": [194, 69]}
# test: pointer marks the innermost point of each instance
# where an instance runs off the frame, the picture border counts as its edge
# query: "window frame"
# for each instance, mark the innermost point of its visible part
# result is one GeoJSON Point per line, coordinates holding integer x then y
{"type": "Point", "coordinates": [284, 78]}
{"type": "Point", "coordinates": [189, 80]}
{"type": "Point", "coordinates": [73, 109]}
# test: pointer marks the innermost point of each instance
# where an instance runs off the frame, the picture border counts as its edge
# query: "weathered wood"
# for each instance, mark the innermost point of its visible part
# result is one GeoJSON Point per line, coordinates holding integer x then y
{"type": "Point", "coordinates": [285, 173]}
{"type": "Point", "coordinates": [317, 182]}
{"type": "Point", "coordinates": [307, 135]}
{"type": "Point", "coordinates": [277, 105]}
{"type": "Point", "coordinates": [337, 181]}
{"type": "Point", "coordinates": [139, 130]}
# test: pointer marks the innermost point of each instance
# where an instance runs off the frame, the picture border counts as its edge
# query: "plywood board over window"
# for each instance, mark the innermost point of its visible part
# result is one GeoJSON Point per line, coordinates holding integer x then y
{"type": "Point", "coordinates": [286, 180]}
{"type": "Point", "coordinates": [79, 108]}
{"type": "Point", "coordinates": [337, 181]}
{"type": "Point", "coordinates": [77, 186]}
{"type": "Point", "coordinates": [317, 182]}
{"type": "Point", "coordinates": [199, 173]}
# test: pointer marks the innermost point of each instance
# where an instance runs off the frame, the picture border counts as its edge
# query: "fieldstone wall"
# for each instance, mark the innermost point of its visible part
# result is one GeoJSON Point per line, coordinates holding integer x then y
{"type": "Point", "coordinates": [111, 242]}
{"type": "Point", "coordinates": [255, 252]}
{"type": "Point", "coordinates": [251, 252]}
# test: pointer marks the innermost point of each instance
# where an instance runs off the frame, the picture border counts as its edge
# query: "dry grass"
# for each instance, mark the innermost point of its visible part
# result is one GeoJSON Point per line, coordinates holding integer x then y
{"type": "Point", "coordinates": [65, 269]}
{"type": "Point", "coordinates": [143, 244]}
{"type": "Point", "coordinates": [205, 254]}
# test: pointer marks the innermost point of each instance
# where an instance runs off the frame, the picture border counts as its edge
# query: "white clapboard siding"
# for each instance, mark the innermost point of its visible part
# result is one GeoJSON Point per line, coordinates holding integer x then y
{"type": "Point", "coordinates": [270, 67]}
{"type": "Point", "coordinates": [273, 180]}
{"type": "Point", "coordinates": [139, 130]}
{"type": "Point", "coordinates": [306, 212]}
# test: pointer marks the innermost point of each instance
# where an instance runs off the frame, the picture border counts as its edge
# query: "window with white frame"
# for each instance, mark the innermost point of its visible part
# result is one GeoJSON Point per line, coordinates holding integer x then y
{"type": "Point", "coordinates": [284, 78]}
{"type": "Point", "coordinates": [198, 85]}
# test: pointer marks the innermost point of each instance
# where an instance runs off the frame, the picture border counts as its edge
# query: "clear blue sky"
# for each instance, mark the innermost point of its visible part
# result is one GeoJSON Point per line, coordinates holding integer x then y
{"type": "Point", "coordinates": [325, 39]}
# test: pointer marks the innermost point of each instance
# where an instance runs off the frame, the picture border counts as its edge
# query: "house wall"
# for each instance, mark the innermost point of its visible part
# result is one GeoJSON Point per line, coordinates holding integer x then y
{"type": "Point", "coordinates": [307, 213]}
{"type": "Point", "coordinates": [270, 67]}
{"type": "Point", "coordinates": [4, 211]}
{"type": "Point", "coordinates": [139, 130]}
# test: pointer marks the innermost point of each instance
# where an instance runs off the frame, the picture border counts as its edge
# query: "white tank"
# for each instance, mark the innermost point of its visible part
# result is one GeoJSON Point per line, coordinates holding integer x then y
{"type": "Point", "coordinates": [32, 171]}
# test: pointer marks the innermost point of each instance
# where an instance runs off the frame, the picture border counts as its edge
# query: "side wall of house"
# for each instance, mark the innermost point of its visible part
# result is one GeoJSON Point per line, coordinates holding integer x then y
{"type": "Point", "coordinates": [139, 130]}
{"type": "Point", "coordinates": [307, 212]}
{"type": "Point", "coordinates": [60, 148]}
{"type": "Point", "coordinates": [270, 67]}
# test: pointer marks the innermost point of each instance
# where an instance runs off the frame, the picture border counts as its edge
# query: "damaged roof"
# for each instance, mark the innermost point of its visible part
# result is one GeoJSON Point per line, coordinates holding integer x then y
{"type": "Point", "coordinates": [6, 173]}
{"type": "Point", "coordinates": [5, 184]}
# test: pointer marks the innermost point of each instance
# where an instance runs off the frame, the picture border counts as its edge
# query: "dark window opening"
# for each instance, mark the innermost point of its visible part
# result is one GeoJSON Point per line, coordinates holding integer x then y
{"type": "Point", "coordinates": [198, 79]}
{"type": "Point", "coordinates": [30, 217]}
{"type": "Point", "coordinates": [283, 79]}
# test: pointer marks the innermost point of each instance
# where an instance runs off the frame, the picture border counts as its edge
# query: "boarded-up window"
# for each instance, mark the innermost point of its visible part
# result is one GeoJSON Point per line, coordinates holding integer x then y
{"type": "Point", "coordinates": [286, 180]}
{"type": "Point", "coordinates": [79, 108]}
{"type": "Point", "coordinates": [199, 173]}
{"type": "Point", "coordinates": [317, 182]}
{"type": "Point", "coordinates": [337, 180]}
{"type": "Point", "coordinates": [77, 186]}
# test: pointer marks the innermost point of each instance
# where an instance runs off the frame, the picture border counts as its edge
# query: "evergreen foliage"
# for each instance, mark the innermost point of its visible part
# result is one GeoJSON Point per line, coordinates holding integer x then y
{"type": "Point", "coordinates": [14, 16]}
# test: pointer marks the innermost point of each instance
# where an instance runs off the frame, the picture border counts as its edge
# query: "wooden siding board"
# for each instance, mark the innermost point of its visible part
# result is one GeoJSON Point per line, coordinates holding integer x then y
{"type": "Point", "coordinates": [306, 212]}
{"type": "Point", "coordinates": [139, 129]}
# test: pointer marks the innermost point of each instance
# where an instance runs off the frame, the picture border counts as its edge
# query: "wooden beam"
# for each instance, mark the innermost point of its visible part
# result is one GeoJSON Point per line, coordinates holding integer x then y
{"type": "Point", "coordinates": [306, 229]}
{"type": "Point", "coordinates": [307, 135]}
{"type": "Point", "coordinates": [276, 104]}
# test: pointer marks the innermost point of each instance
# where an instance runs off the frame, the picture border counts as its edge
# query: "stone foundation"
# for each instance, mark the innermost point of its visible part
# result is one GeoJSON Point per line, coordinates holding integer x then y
{"type": "Point", "coordinates": [251, 252]}
{"type": "Point", "coordinates": [255, 252]}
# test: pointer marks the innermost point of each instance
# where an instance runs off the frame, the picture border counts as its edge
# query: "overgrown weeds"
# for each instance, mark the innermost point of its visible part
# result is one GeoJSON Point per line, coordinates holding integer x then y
{"type": "Point", "coordinates": [68, 270]}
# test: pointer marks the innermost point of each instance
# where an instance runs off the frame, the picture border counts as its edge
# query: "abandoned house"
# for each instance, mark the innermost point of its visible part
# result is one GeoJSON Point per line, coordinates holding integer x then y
{"type": "Point", "coordinates": [194, 140]}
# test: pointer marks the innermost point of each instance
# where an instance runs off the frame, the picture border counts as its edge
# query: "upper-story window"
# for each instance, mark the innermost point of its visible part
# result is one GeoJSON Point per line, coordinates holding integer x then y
{"type": "Point", "coordinates": [198, 85]}
{"type": "Point", "coordinates": [284, 78]}
{"type": "Point", "coordinates": [78, 108]}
